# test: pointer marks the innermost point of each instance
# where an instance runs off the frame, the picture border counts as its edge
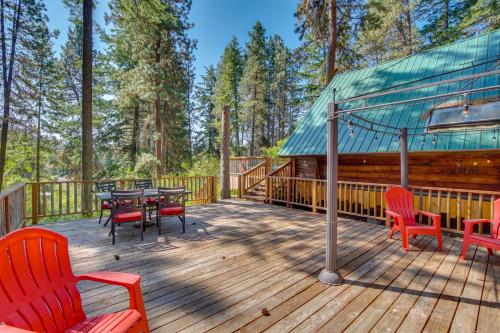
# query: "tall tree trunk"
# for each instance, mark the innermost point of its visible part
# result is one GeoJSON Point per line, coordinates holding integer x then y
{"type": "Point", "coordinates": [39, 128]}
{"type": "Point", "coordinates": [87, 158]}
{"type": "Point", "coordinates": [160, 162]}
{"type": "Point", "coordinates": [252, 139]}
{"type": "Point", "coordinates": [225, 189]}
{"type": "Point", "coordinates": [158, 134]}
{"type": "Point", "coordinates": [7, 70]}
{"type": "Point", "coordinates": [166, 123]}
{"type": "Point", "coordinates": [135, 136]}
{"type": "Point", "coordinates": [332, 40]}
{"type": "Point", "coordinates": [409, 26]}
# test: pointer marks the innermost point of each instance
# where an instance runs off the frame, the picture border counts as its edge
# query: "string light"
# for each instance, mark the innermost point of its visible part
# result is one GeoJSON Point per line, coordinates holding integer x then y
{"type": "Point", "coordinates": [465, 112]}
{"type": "Point", "coordinates": [434, 140]}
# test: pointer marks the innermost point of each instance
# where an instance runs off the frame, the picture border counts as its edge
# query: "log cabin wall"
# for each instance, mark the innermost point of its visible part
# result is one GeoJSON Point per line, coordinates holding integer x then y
{"type": "Point", "coordinates": [475, 170]}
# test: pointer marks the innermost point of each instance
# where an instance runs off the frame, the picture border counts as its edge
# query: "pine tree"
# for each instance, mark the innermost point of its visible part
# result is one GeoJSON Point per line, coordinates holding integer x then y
{"type": "Point", "coordinates": [229, 72]}
{"type": "Point", "coordinates": [206, 136]}
{"type": "Point", "coordinates": [389, 31]}
{"type": "Point", "coordinates": [283, 90]}
{"type": "Point", "coordinates": [328, 29]}
{"type": "Point", "coordinates": [254, 89]}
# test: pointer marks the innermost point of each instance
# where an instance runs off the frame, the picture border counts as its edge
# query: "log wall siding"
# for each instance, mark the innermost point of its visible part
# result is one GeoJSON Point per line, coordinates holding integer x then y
{"type": "Point", "coordinates": [473, 170]}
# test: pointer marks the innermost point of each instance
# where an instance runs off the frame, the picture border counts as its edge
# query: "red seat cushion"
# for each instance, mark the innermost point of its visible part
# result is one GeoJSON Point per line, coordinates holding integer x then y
{"type": "Point", "coordinates": [105, 205]}
{"type": "Point", "coordinates": [174, 210]}
{"type": "Point", "coordinates": [151, 200]}
{"type": "Point", "coordinates": [114, 322]}
{"type": "Point", "coordinates": [127, 217]}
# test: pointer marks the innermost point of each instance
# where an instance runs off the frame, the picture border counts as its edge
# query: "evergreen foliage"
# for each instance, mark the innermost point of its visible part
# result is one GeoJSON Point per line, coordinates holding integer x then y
{"type": "Point", "coordinates": [149, 116]}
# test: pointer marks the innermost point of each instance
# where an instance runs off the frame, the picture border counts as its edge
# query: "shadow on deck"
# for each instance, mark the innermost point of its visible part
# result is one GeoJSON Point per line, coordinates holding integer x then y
{"type": "Point", "coordinates": [252, 267]}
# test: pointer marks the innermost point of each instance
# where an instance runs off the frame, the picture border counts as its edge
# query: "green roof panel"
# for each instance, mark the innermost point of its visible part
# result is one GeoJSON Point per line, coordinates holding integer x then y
{"type": "Point", "coordinates": [466, 57]}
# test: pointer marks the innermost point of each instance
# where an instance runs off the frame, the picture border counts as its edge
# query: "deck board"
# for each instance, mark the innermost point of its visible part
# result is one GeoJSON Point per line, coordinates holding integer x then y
{"type": "Point", "coordinates": [238, 257]}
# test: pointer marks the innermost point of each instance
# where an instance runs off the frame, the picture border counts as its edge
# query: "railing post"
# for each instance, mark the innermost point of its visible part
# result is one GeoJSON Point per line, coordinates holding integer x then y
{"type": "Point", "coordinates": [6, 213]}
{"type": "Point", "coordinates": [214, 189]}
{"type": "Point", "coordinates": [288, 191]}
{"type": "Point", "coordinates": [34, 203]}
{"type": "Point", "coordinates": [239, 186]}
{"type": "Point", "coordinates": [270, 191]}
{"type": "Point", "coordinates": [314, 196]}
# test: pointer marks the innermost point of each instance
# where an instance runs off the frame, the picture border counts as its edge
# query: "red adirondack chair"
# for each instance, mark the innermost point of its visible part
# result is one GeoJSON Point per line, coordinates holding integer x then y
{"type": "Point", "coordinates": [492, 241]}
{"type": "Point", "coordinates": [38, 290]}
{"type": "Point", "coordinates": [400, 208]}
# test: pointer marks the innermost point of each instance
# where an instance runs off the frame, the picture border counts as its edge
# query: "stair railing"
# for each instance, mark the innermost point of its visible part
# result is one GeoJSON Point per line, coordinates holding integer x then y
{"type": "Point", "coordinates": [253, 177]}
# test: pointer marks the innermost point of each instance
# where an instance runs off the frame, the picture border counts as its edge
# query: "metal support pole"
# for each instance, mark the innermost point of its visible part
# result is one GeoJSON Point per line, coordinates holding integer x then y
{"type": "Point", "coordinates": [404, 157]}
{"type": "Point", "coordinates": [329, 275]}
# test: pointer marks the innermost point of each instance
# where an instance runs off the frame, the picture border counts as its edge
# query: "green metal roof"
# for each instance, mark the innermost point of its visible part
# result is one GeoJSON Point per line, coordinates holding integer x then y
{"type": "Point", "coordinates": [466, 57]}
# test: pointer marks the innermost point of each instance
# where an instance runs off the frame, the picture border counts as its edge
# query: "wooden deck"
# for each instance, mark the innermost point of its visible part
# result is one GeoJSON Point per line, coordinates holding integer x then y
{"type": "Point", "coordinates": [238, 258]}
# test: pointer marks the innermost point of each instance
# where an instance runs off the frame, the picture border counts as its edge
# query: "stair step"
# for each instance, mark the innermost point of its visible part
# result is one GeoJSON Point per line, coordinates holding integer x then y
{"type": "Point", "coordinates": [260, 198]}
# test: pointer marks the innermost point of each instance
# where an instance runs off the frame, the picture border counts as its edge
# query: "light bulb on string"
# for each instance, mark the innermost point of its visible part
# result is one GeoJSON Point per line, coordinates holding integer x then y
{"type": "Point", "coordinates": [434, 140]}
{"type": "Point", "coordinates": [465, 112]}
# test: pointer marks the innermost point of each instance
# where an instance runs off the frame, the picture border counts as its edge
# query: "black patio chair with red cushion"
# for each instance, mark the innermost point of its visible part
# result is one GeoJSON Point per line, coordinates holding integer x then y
{"type": "Point", "coordinates": [171, 202]}
{"type": "Point", "coordinates": [145, 184]}
{"type": "Point", "coordinates": [127, 206]}
{"type": "Point", "coordinates": [105, 186]}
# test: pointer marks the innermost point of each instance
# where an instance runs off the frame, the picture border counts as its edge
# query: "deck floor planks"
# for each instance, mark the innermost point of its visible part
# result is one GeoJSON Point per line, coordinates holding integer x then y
{"type": "Point", "coordinates": [490, 304]}
{"type": "Point", "coordinates": [251, 303]}
{"type": "Point", "coordinates": [238, 257]}
{"type": "Point", "coordinates": [358, 304]}
{"type": "Point", "coordinates": [419, 314]}
{"type": "Point", "coordinates": [268, 277]}
{"type": "Point", "coordinates": [324, 316]}
{"type": "Point", "coordinates": [391, 320]}
{"type": "Point", "coordinates": [465, 319]}
{"type": "Point", "coordinates": [444, 311]}
{"type": "Point", "coordinates": [369, 316]}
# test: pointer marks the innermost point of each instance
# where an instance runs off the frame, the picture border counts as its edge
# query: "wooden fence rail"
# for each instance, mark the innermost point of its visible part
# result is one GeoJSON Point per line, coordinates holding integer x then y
{"type": "Point", "coordinates": [60, 198]}
{"type": "Point", "coordinates": [12, 210]}
{"type": "Point", "coordinates": [367, 200]}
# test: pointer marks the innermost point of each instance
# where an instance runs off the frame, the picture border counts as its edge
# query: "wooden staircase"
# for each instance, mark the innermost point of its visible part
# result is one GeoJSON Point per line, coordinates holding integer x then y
{"type": "Point", "coordinates": [256, 193]}
{"type": "Point", "coordinates": [253, 184]}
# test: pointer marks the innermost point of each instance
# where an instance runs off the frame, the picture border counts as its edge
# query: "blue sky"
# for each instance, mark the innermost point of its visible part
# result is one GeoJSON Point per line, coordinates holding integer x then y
{"type": "Point", "coordinates": [216, 21]}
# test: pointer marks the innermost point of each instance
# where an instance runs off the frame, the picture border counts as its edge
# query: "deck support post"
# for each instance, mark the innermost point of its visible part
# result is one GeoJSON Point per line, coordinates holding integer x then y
{"type": "Point", "coordinates": [329, 274]}
{"type": "Point", "coordinates": [404, 157]}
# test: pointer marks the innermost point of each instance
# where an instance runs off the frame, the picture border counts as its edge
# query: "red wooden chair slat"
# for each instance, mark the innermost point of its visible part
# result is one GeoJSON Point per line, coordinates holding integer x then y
{"type": "Point", "coordinates": [492, 241]}
{"type": "Point", "coordinates": [38, 290]}
{"type": "Point", "coordinates": [400, 208]}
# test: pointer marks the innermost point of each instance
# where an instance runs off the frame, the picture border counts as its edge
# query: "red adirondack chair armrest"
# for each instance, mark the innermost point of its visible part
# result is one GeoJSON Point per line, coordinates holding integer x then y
{"type": "Point", "coordinates": [393, 214]}
{"type": "Point", "coordinates": [469, 225]}
{"type": "Point", "coordinates": [11, 329]}
{"type": "Point", "coordinates": [436, 218]}
{"type": "Point", "coordinates": [130, 281]}
{"type": "Point", "coordinates": [115, 278]}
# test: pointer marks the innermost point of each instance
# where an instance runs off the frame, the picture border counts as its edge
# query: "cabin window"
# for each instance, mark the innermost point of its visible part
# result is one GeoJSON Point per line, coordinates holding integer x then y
{"type": "Point", "coordinates": [460, 116]}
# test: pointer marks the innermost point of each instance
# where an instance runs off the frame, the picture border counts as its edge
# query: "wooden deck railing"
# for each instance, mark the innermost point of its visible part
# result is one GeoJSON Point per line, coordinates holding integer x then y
{"type": "Point", "coordinates": [12, 210]}
{"type": "Point", "coordinates": [367, 200]}
{"type": "Point", "coordinates": [60, 198]}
